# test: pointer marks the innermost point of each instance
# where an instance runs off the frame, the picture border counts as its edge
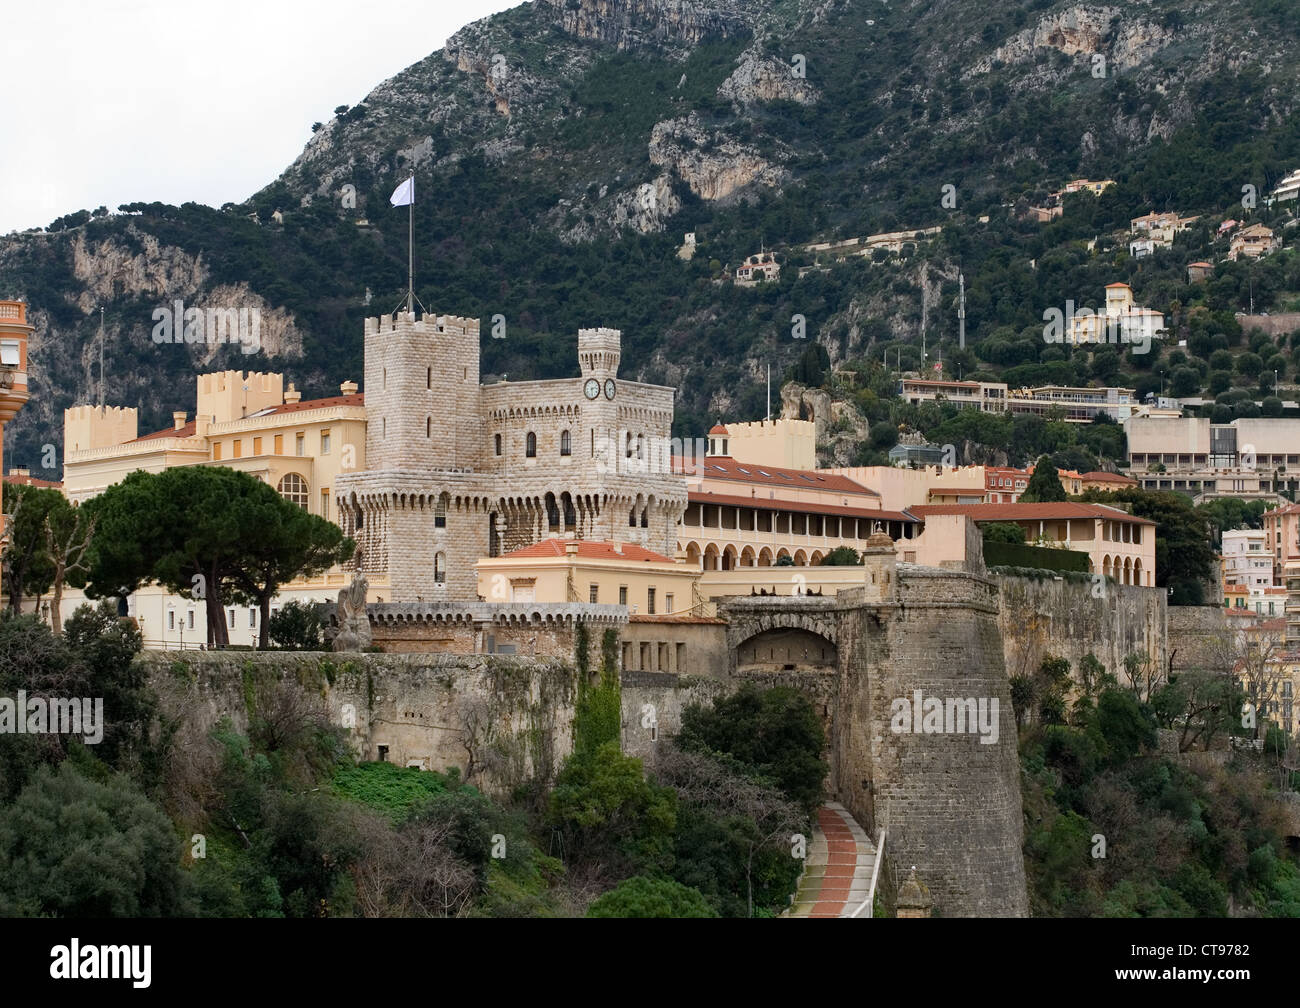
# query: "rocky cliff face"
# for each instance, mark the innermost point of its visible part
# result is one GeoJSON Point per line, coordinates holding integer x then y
{"type": "Point", "coordinates": [712, 165]}
{"type": "Point", "coordinates": [633, 24]}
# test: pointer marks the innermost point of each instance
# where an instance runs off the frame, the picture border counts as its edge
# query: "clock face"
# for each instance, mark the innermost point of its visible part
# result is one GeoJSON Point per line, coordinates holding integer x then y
{"type": "Point", "coordinates": [592, 388]}
{"type": "Point", "coordinates": [609, 388]}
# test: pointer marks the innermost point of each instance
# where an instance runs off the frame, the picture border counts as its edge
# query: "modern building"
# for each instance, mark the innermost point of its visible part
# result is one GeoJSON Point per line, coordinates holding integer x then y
{"type": "Point", "coordinates": [989, 397]}
{"type": "Point", "coordinates": [1246, 560]}
{"type": "Point", "coordinates": [1079, 404]}
{"type": "Point", "coordinates": [14, 333]}
{"type": "Point", "coordinates": [1288, 188]}
{"type": "Point", "coordinates": [1251, 457]}
{"type": "Point", "coordinates": [924, 454]}
{"type": "Point", "coordinates": [1118, 544]}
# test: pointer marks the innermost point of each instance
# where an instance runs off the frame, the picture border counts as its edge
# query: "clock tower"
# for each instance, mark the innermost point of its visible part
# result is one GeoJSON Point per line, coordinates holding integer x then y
{"type": "Point", "coordinates": [599, 351]}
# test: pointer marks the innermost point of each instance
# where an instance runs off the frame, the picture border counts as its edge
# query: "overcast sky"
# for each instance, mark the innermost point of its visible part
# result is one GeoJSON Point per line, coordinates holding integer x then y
{"type": "Point", "coordinates": [104, 102]}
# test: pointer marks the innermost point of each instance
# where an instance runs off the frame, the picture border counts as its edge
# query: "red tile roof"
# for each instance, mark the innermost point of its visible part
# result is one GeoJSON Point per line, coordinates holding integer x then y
{"type": "Point", "coordinates": [17, 479]}
{"type": "Point", "coordinates": [1284, 510]}
{"type": "Point", "coordinates": [1105, 477]}
{"type": "Point", "coordinates": [170, 432]}
{"type": "Point", "coordinates": [1046, 511]}
{"type": "Point", "coordinates": [590, 549]}
{"type": "Point", "coordinates": [356, 399]}
{"type": "Point", "coordinates": [717, 429]}
{"type": "Point", "coordinates": [724, 467]}
{"type": "Point", "coordinates": [808, 507]}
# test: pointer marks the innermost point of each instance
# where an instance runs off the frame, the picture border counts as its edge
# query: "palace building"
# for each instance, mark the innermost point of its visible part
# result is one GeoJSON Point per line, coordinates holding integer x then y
{"type": "Point", "coordinates": [457, 470]}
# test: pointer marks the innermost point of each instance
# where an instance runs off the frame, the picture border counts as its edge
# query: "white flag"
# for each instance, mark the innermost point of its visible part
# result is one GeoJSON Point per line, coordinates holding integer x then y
{"type": "Point", "coordinates": [404, 194]}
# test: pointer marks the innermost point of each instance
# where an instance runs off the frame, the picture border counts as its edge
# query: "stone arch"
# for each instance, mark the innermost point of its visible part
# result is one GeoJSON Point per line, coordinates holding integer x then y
{"type": "Point", "coordinates": [711, 557]}
{"type": "Point", "coordinates": [800, 558]}
{"type": "Point", "coordinates": [816, 558]}
{"type": "Point", "coordinates": [747, 557]}
{"type": "Point", "coordinates": [1137, 571]}
{"type": "Point", "coordinates": [693, 555]}
{"type": "Point", "coordinates": [729, 558]}
{"type": "Point", "coordinates": [765, 557]}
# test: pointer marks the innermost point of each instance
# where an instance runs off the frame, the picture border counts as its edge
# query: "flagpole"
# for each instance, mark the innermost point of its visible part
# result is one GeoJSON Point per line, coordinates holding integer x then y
{"type": "Point", "coordinates": [410, 250]}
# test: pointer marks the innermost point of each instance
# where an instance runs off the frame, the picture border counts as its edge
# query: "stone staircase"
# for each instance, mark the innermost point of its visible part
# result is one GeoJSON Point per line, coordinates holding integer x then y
{"type": "Point", "coordinates": [837, 871]}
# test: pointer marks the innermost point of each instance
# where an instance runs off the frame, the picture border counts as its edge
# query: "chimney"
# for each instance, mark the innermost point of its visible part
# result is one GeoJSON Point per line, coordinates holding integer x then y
{"type": "Point", "coordinates": [20, 471]}
{"type": "Point", "coordinates": [348, 388]}
{"type": "Point", "coordinates": [292, 396]}
{"type": "Point", "coordinates": [178, 420]}
{"type": "Point", "coordinates": [571, 549]}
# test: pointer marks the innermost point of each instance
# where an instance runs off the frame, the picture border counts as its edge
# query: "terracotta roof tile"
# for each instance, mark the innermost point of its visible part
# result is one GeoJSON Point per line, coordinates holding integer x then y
{"type": "Point", "coordinates": [590, 549]}
{"type": "Point", "coordinates": [1046, 511]}
{"type": "Point", "coordinates": [723, 467]}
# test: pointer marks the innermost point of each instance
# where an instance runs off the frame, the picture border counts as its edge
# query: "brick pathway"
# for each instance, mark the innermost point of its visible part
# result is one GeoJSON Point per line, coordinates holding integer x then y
{"type": "Point", "coordinates": [837, 871]}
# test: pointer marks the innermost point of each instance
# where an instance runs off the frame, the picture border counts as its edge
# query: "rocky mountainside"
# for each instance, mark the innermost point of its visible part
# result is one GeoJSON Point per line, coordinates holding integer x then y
{"type": "Point", "coordinates": [564, 148]}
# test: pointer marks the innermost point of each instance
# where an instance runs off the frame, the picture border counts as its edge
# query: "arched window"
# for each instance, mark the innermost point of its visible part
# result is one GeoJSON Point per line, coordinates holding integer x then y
{"type": "Point", "coordinates": [293, 488]}
{"type": "Point", "coordinates": [440, 568]}
{"type": "Point", "coordinates": [566, 446]}
{"type": "Point", "coordinates": [552, 512]}
{"type": "Point", "coordinates": [631, 518]}
{"type": "Point", "coordinates": [531, 448]}
{"type": "Point", "coordinates": [497, 443]}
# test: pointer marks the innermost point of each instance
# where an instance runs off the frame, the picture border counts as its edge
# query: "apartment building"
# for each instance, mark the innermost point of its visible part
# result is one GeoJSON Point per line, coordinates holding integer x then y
{"type": "Point", "coordinates": [1246, 560]}
{"type": "Point", "coordinates": [1080, 404]}
{"type": "Point", "coordinates": [1251, 458]}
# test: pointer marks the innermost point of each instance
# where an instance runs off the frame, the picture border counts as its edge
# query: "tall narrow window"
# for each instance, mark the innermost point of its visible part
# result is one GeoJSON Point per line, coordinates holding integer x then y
{"type": "Point", "coordinates": [594, 594]}
{"type": "Point", "coordinates": [440, 513]}
{"type": "Point", "coordinates": [300, 445]}
{"type": "Point", "coordinates": [428, 427]}
{"type": "Point", "coordinates": [325, 503]}
{"type": "Point", "coordinates": [566, 446]}
{"type": "Point", "coordinates": [279, 444]}
{"type": "Point", "coordinates": [216, 451]}
{"type": "Point", "coordinates": [650, 601]}
{"type": "Point", "coordinates": [440, 568]}
{"type": "Point", "coordinates": [497, 443]}
{"type": "Point", "coordinates": [622, 594]}
{"type": "Point", "coordinates": [257, 446]}
{"type": "Point", "coordinates": [531, 448]}
{"type": "Point", "coordinates": [428, 378]}
{"type": "Point", "coordinates": [324, 442]}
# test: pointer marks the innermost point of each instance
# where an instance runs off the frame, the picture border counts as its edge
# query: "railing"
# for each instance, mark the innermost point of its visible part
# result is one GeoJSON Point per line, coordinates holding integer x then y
{"type": "Point", "coordinates": [869, 904]}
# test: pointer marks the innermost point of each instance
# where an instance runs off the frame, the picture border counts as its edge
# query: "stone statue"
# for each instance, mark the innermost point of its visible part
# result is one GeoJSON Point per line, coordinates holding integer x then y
{"type": "Point", "coordinates": [354, 626]}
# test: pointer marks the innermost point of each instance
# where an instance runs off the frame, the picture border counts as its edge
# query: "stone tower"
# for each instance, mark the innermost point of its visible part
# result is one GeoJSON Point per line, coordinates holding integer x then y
{"type": "Point", "coordinates": [599, 351]}
{"type": "Point", "coordinates": [422, 392]}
